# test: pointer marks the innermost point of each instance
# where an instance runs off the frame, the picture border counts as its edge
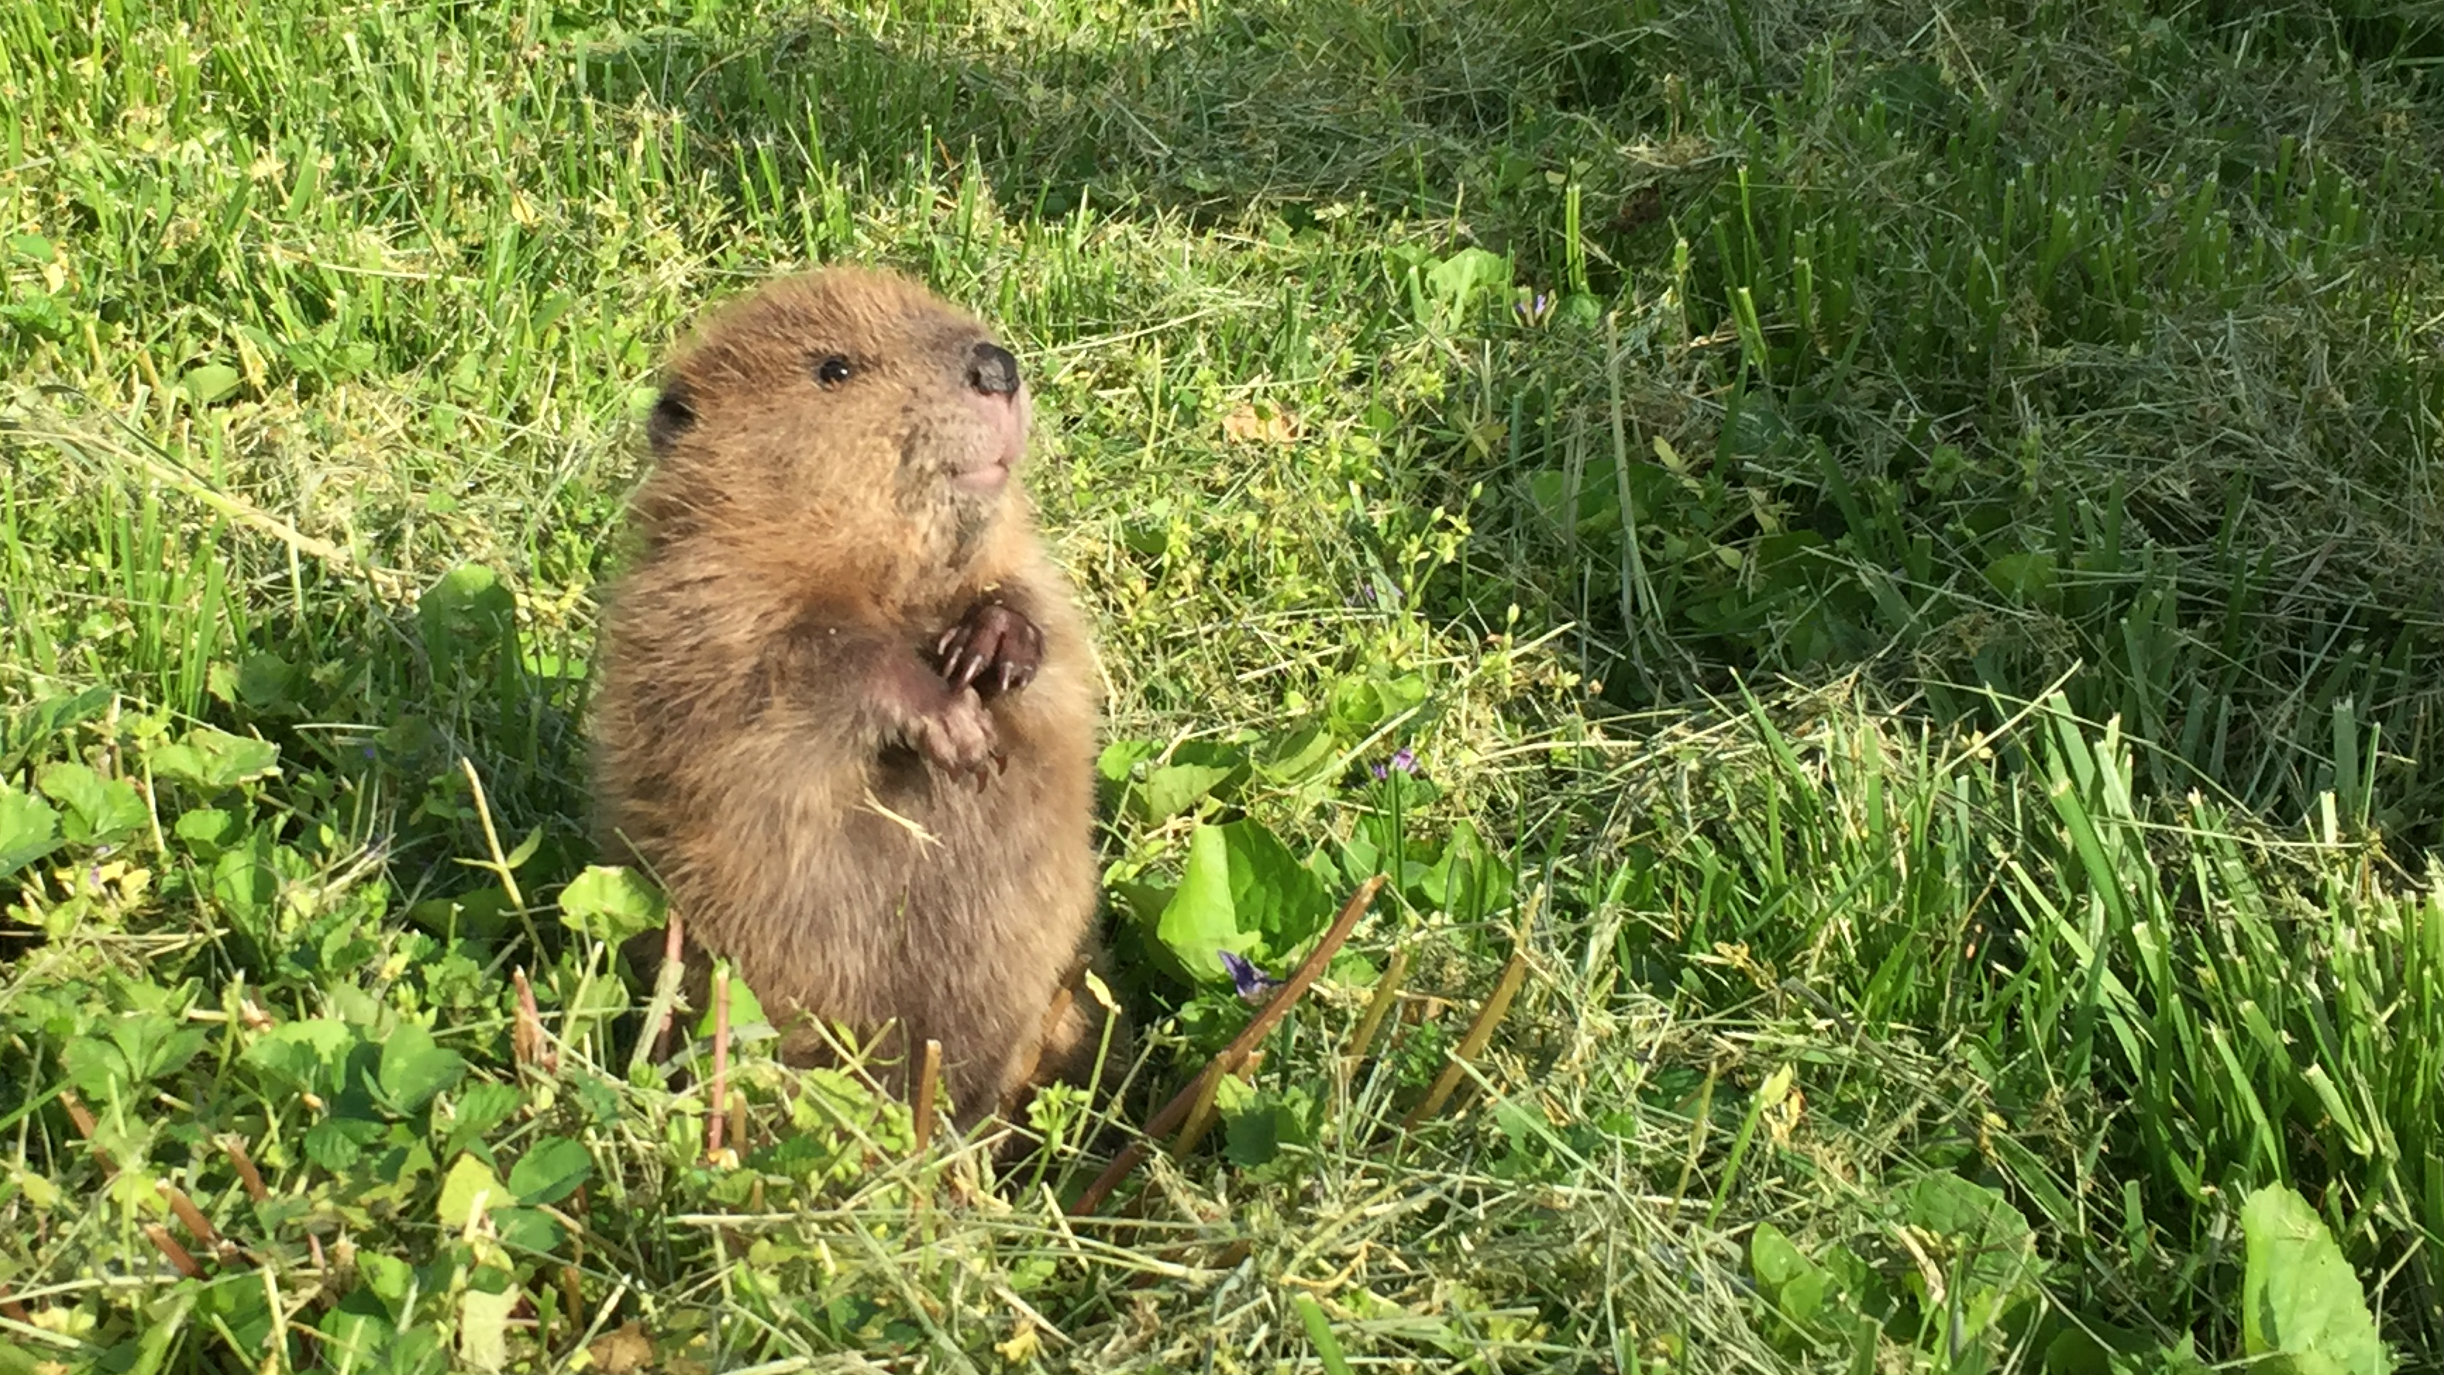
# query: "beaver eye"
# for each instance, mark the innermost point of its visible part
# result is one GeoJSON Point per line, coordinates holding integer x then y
{"type": "Point", "coordinates": [834, 370]}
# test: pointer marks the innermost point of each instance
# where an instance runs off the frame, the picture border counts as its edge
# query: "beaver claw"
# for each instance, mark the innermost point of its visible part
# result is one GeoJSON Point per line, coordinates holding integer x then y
{"type": "Point", "coordinates": [993, 649]}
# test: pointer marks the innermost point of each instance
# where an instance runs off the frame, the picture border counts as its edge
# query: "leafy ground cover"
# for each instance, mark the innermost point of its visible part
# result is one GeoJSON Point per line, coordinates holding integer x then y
{"type": "Point", "coordinates": [1872, 574]}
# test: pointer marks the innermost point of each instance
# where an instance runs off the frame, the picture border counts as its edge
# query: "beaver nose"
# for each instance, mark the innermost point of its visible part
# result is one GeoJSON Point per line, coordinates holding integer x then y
{"type": "Point", "coordinates": [992, 371]}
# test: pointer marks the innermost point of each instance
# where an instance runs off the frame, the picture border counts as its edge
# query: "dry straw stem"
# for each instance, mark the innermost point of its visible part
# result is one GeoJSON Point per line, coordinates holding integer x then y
{"type": "Point", "coordinates": [1249, 1037]}
{"type": "Point", "coordinates": [244, 1164]}
{"type": "Point", "coordinates": [82, 1120]}
{"type": "Point", "coordinates": [188, 1214]}
{"type": "Point", "coordinates": [182, 1262]}
{"type": "Point", "coordinates": [929, 1074]}
{"type": "Point", "coordinates": [1387, 992]}
{"type": "Point", "coordinates": [572, 1300]}
{"type": "Point", "coordinates": [721, 1063]}
{"type": "Point", "coordinates": [1062, 999]}
{"type": "Point", "coordinates": [1201, 1114]}
{"type": "Point", "coordinates": [192, 1218]}
{"type": "Point", "coordinates": [654, 1046]}
{"type": "Point", "coordinates": [1473, 1044]}
{"type": "Point", "coordinates": [526, 1039]}
{"type": "Point", "coordinates": [499, 863]}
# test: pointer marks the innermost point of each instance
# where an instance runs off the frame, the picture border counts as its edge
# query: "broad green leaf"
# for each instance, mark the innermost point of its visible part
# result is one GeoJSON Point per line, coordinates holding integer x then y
{"type": "Point", "coordinates": [242, 1311]}
{"type": "Point", "coordinates": [1154, 536]}
{"type": "Point", "coordinates": [483, 914]}
{"type": "Point", "coordinates": [1948, 1205]}
{"type": "Point", "coordinates": [483, 1327]}
{"type": "Point", "coordinates": [1196, 770]}
{"type": "Point", "coordinates": [1804, 1297]}
{"type": "Point", "coordinates": [262, 681]}
{"type": "Point", "coordinates": [37, 1190]}
{"type": "Point", "coordinates": [469, 1185]}
{"type": "Point", "coordinates": [527, 1229]}
{"type": "Point", "coordinates": [47, 718]}
{"type": "Point", "coordinates": [337, 1143]}
{"type": "Point", "coordinates": [2299, 1297]}
{"type": "Point", "coordinates": [1580, 310]}
{"type": "Point", "coordinates": [1298, 755]}
{"type": "Point", "coordinates": [210, 382]}
{"type": "Point", "coordinates": [303, 1054]}
{"type": "Point", "coordinates": [214, 760]}
{"type": "Point", "coordinates": [1251, 1139]}
{"type": "Point", "coordinates": [156, 1045]}
{"type": "Point", "coordinates": [596, 998]}
{"type": "Point", "coordinates": [1598, 509]}
{"type": "Point", "coordinates": [1242, 891]}
{"type": "Point", "coordinates": [120, 1055]}
{"type": "Point", "coordinates": [1994, 1238]}
{"type": "Point", "coordinates": [467, 612]}
{"type": "Point", "coordinates": [414, 1068]}
{"type": "Point", "coordinates": [549, 1170]}
{"type": "Point", "coordinates": [475, 1113]}
{"type": "Point", "coordinates": [1144, 902]}
{"type": "Point", "coordinates": [1357, 705]}
{"type": "Point", "coordinates": [208, 830]}
{"type": "Point", "coordinates": [1468, 881]}
{"type": "Point", "coordinates": [1201, 919]}
{"type": "Point", "coordinates": [389, 1277]}
{"type": "Point", "coordinates": [1759, 427]}
{"type": "Point", "coordinates": [244, 881]}
{"type": "Point", "coordinates": [1257, 1123]}
{"type": "Point", "coordinates": [2093, 1344]}
{"type": "Point", "coordinates": [1458, 280]}
{"type": "Point", "coordinates": [164, 1321]}
{"type": "Point", "coordinates": [1774, 1259]}
{"type": "Point", "coordinates": [96, 1068]}
{"type": "Point", "coordinates": [100, 810]}
{"type": "Point", "coordinates": [29, 829]}
{"type": "Point", "coordinates": [1121, 757]}
{"type": "Point", "coordinates": [2025, 577]}
{"type": "Point", "coordinates": [355, 1331]}
{"type": "Point", "coordinates": [745, 1010]}
{"type": "Point", "coordinates": [610, 904]}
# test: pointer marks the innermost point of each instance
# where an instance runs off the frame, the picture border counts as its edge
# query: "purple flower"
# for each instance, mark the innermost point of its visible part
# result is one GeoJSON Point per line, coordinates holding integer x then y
{"type": "Point", "coordinates": [1254, 984]}
{"type": "Point", "coordinates": [1534, 310]}
{"type": "Point", "coordinates": [1403, 762]}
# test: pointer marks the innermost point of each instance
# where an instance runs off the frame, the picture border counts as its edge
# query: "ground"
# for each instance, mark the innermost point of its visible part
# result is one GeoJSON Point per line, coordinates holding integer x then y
{"type": "Point", "coordinates": [1879, 568]}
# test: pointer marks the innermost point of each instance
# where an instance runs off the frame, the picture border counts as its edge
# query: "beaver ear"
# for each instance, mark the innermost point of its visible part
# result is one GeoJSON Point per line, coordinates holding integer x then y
{"type": "Point", "coordinates": [674, 414]}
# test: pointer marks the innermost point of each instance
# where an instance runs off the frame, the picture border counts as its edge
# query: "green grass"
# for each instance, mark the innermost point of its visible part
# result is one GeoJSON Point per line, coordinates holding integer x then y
{"type": "Point", "coordinates": [1909, 545]}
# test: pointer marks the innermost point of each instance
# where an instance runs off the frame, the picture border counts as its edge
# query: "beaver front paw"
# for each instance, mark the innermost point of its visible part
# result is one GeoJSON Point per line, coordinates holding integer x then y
{"type": "Point", "coordinates": [959, 739]}
{"type": "Point", "coordinates": [993, 649]}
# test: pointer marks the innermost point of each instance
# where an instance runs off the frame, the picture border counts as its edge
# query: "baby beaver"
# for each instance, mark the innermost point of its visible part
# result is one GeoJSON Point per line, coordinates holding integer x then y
{"type": "Point", "coordinates": [847, 709]}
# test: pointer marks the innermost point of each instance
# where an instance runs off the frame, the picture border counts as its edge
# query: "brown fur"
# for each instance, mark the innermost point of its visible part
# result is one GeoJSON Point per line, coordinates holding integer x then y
{"type": "Point", "coordinates": [777, 738]}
